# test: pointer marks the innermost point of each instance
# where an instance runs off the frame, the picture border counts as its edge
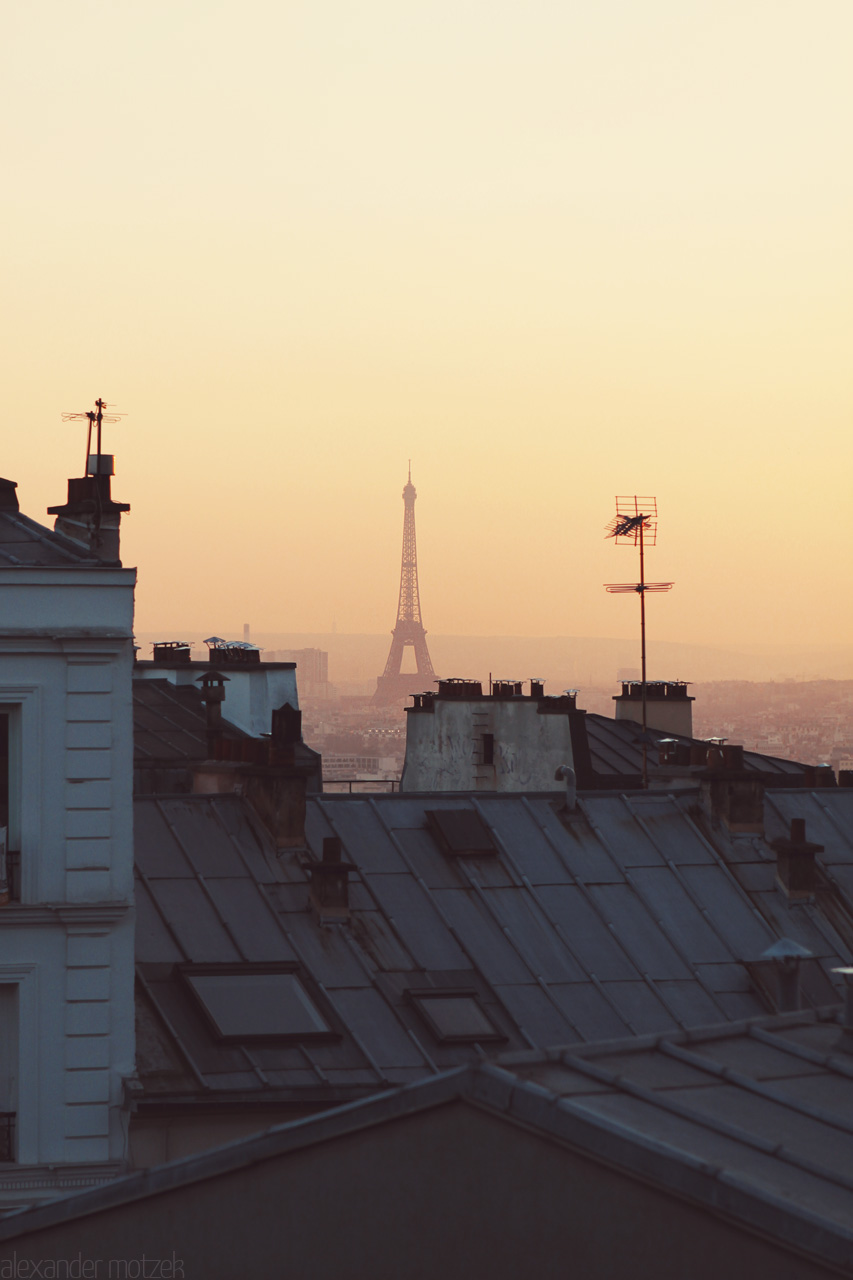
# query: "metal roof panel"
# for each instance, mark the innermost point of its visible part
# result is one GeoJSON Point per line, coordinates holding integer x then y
{"type": "Point", "coordinates": [427, 937]}
{"type": "Point", "coordinates": [537, 1015]}
{"type": "Point", "coordinates": [585, 932]}
{"type": "Point", "coordinates": [638, 931]}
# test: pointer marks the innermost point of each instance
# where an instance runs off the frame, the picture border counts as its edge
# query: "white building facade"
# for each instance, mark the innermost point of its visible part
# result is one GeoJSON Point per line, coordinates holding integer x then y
{"type": "Point", "coordinates": [66, 918]}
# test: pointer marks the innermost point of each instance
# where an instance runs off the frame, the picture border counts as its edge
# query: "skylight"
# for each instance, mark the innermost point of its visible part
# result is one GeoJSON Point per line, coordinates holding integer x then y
{"type": "Point", "coordinates": [249, 1005]}
{"type": "Point", "coordinates": [461, 832]}
{"type": "Point", "coordinates": [455, 1017]}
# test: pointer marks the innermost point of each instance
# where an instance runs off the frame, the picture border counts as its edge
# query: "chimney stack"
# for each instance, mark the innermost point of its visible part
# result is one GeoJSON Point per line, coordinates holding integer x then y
{"type": "Point", "coordinates": [90, 517]}
{"type": "Point", "coordinates": [731, 793]}
{"type": "Point", "coordinates": [669, 708]}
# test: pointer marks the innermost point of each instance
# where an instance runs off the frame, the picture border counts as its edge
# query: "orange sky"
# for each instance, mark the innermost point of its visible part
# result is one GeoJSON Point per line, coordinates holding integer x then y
{"type": "Point", "coordinates": [552, 251]}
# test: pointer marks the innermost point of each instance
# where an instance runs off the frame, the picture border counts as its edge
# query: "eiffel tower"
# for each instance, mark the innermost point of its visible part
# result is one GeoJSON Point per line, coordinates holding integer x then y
{"type": "Point", "coordinates": [392, 684]}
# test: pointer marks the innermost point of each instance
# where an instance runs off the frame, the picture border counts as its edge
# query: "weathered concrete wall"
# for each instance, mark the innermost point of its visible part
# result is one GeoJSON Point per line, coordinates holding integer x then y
{"type": "Point", "coordinates": [444, 747]}
{"type": "Point", "coordinates": [668, 715]}
{"type": "Point", "coordinates": [451, 1192]}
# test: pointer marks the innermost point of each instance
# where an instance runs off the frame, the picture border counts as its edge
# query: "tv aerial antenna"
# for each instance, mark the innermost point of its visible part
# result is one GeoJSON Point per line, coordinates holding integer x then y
{"type": "Point", "coordinates": [95, 418]}
{"type": "Point", "coordinates": [636, 524]}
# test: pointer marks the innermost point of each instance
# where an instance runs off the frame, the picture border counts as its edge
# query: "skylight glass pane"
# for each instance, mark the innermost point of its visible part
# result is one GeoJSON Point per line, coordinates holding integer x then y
{"type": "Point", "coordinates": [457, 1016]}
{"type": "Point", "coordinates": [258, 1004]}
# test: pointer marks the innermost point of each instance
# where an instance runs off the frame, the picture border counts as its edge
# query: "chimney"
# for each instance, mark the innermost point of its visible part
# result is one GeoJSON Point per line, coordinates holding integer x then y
{"type": "Point", "coordinates": [330, 883]}
{"type": "Point", "coordinates": [90, 517]}
{"type": "Point", "coordinates": [212, 695]}
{"type": "Point", "coordinates": [795, 863]}
{"type": "Point", "coordinates": [668, 706]}
{"type": "Point", "coordinates": [8, 497]}
{"type": "Point", "coordinates": [275, 792]}
{"type": "Point", "coordinates": [786, 956]}
{"type": "Point", "coordinates": [732, 794]}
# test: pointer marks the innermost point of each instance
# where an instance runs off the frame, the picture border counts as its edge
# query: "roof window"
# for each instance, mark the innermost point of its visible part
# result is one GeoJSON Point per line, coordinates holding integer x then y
{"type": "Point", "coordinates": [461, 832]}
{"type": "Point", "coordinates": [257, 1003]}
{"type": "Point", "coordinates": [455, 1017]}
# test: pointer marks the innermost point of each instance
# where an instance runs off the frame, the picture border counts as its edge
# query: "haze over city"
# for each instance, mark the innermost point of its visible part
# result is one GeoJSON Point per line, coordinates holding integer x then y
{"type": "Point", "coordinates": [551, 253]}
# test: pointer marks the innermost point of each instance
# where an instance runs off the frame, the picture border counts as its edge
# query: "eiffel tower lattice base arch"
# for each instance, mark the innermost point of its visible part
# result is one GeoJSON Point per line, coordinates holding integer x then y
{"type": "Point", "coordinates": [409, 631]}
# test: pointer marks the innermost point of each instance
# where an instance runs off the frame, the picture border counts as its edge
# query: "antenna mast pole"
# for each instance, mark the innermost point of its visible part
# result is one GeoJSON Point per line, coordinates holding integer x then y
{"type": "Point", "coordinates": [635, 516]}
{"type": "Point", "coordinates": [100, 406]}
{"type": "Point", "coordinates": [643, 654]}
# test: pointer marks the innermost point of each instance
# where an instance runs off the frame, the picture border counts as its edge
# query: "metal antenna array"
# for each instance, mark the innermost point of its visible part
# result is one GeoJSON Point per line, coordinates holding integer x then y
{"type": "Point", "coordinates": [95, 418]}
{"type": "Point", "coordinates": [636, 523]}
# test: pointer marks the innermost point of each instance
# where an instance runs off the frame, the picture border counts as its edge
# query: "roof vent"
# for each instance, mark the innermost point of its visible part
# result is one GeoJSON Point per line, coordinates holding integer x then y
{"type": "Point", "coordinates": [795, 863]}
{"type": "Point", "coordinates": [845, 1041]}
{"type": "Point", "coordinates": [786, 956]}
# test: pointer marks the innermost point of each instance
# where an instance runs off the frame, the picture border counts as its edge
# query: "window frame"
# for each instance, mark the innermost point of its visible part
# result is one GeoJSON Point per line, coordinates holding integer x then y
{"type": "Point", "coordinates": [248, 968]}
{"type": "Point", "coordinates": [420, 997]}
{"type": "Point", "coordinates": [23, 705]}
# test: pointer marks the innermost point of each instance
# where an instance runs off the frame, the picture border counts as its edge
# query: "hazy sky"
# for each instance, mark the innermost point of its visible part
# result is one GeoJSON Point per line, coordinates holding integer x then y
{"type": "Point", "coordinates": [551, 251]}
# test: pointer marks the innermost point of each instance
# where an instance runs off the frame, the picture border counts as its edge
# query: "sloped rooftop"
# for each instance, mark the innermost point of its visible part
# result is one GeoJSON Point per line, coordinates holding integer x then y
{"type": "Point", "coordinates": [624, 917]}
{"type": "Point", "coordinates": [615, 747]}
{"type": "Point", "coordinates": [24, 542]}
{"type": "Point", "coordinates": [765, 1107]}
{"type": "Point", "coordinates": [169, 722]}
{"type": "Point", "coordinates": [750, 1123]}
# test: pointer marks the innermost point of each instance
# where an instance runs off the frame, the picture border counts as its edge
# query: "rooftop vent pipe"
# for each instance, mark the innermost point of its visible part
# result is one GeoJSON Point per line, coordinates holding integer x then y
{"type": "Point", "coordinates": [565, 773]}
{"type": "Point", "coordinates": [845, 1041]}
{"type": "Point", "coordinates": [786, 956]}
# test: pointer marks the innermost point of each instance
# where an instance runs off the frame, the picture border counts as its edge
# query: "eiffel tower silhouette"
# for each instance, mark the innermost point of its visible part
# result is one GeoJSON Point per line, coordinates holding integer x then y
{"type": "Point", "coordinates": [409, 630]}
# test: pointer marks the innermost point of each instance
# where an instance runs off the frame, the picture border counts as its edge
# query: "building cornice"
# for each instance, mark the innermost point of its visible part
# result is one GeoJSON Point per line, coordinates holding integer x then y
{"type": "Point", "coordinates": [70, 914]}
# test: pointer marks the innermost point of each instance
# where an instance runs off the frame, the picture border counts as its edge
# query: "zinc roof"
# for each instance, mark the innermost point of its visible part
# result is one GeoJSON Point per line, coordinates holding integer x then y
{"type": "Point", "coordinates": [25, 542]}
{"type": "Point", "coordinates": [615, 747]}
{"type": "Point", "coordinates": [169, 722]}
{"type": "Point", "coordinates": [752, 1123]}
{"type": "Point", "coordinates": [619, 918]}
{"type": "Point", "coordinates": [765, 1106]}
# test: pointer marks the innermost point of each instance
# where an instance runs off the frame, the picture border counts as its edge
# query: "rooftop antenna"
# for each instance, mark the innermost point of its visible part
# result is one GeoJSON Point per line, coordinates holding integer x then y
{"type": "Point", "coordinates": [95, 417]}
{"type": "Point", "coordinates": [636, 523]}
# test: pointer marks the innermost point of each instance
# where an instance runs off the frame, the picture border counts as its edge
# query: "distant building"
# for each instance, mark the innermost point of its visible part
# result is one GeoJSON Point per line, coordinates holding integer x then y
{"type": "Point", "coordinates": [312, 669]}
{"type": "Point", "coordinates": [461, 739]}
